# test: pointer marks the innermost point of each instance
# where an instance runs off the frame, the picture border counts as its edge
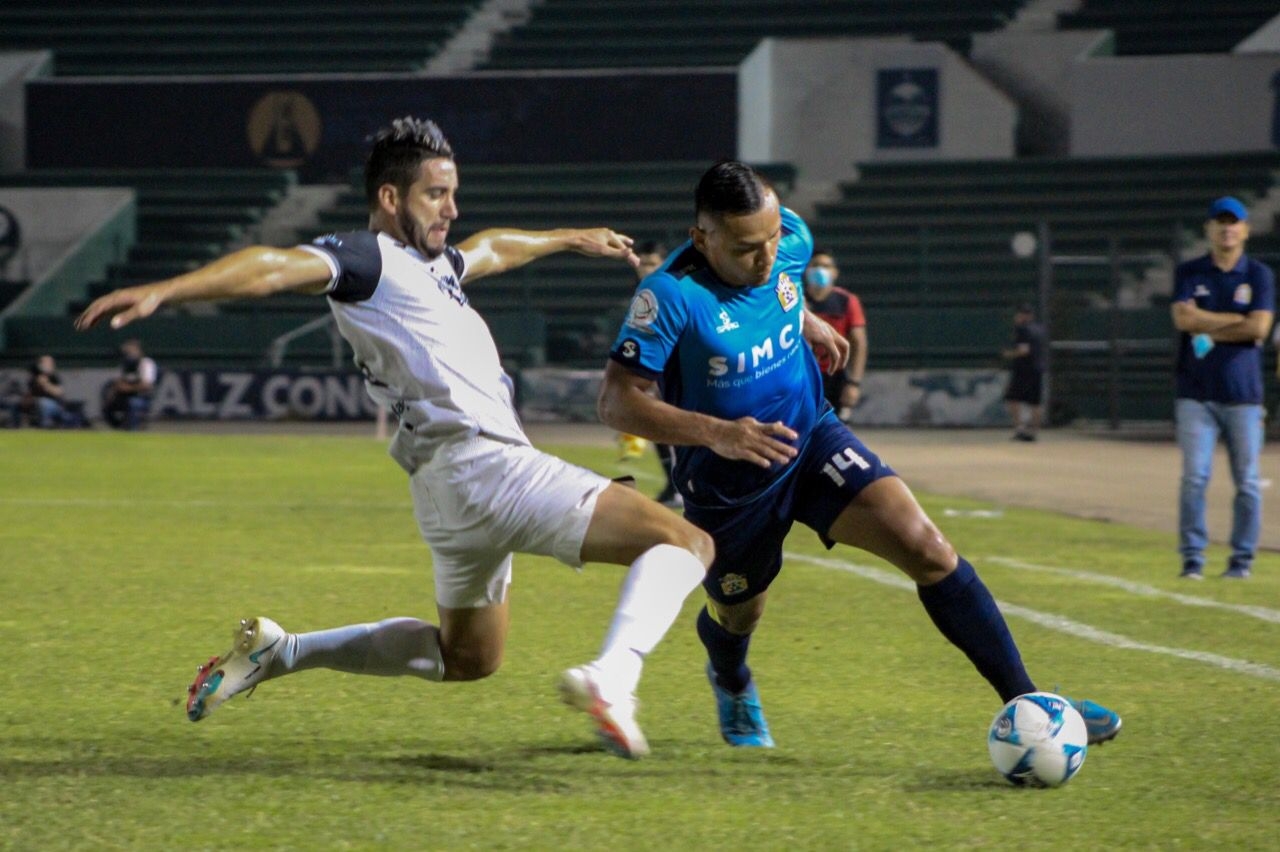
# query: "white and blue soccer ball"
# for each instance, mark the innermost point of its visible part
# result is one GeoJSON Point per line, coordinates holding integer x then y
{"type": "Point", "coordinates": [1038, 740]}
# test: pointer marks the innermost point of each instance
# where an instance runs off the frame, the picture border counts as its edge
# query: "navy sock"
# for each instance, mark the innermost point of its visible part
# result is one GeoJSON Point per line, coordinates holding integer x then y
{"type": "Point", "coordinates": [965, 613]}
{"type": "Point", "coordinates": [727, 652]}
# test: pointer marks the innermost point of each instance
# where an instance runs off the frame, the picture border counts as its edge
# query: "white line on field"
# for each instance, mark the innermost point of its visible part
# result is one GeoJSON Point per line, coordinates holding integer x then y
{"type": "Point", "coordinates": [1259, 612]}
{"type": "Point", "coordinates": [1058, 623]}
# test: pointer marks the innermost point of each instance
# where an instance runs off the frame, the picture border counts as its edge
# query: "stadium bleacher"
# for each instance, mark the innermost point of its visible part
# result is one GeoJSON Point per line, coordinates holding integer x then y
{"type": "Point", "coordinates": [653, 33]}
{"type": "Point", "coordinates": [913, 237]}
{"type": "Point", "coordinates": [185, 217]}
{"type": "Point", "coordinates": [153, 37]}
{"type": "Point", "coordinates": [1171, 26]}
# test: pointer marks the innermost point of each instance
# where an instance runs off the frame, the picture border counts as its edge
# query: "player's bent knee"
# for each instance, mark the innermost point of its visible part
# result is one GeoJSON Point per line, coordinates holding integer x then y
{"type": "Point", "coordinates": [929, 556]}
{"type": "Point", "coordinates": [696, 541]}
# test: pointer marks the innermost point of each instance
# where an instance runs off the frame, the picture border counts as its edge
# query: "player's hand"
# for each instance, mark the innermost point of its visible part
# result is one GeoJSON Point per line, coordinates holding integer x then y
{"type": "Point", "coordinates": [747, 439]}
{"type": "Point", "coordinates": [123, 306]}
{"type": "Point", "coordinates": [603, 242]}
{"type": "Point", "coordinates": [831, 348]}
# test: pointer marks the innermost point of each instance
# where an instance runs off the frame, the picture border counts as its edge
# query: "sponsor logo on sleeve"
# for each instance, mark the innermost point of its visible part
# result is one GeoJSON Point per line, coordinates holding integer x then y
{"type": "Point", "coordinates": [788, 295]}
{"type": "Point", "coordinates": [643, 311]}
{"type": "Point", "coordinates": [629, 350]}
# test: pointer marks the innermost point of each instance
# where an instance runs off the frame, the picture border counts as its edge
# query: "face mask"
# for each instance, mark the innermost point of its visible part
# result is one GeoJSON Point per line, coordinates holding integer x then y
{"type": "Point", "coordinates": [817, 276]}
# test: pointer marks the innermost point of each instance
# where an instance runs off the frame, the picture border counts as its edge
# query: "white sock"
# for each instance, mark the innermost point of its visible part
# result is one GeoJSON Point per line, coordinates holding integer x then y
{"type": "Point", "coordinates": [652, 594]}
{"type": "Point", "coordinates": [392, 647]}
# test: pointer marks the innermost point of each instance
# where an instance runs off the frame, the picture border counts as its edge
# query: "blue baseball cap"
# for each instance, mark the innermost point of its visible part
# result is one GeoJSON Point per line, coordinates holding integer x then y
{"type": "Point", "coordinates": [1228, 206]}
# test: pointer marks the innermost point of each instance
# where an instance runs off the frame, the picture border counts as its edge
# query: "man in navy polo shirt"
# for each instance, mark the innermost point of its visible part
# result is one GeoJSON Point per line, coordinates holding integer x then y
{"type": "Point", "coordinates": [1223, 304]}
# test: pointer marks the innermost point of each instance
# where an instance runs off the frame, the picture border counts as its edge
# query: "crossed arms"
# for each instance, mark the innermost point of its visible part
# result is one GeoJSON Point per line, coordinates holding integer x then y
{"type": "Point", "coordinates": [1222, 327]}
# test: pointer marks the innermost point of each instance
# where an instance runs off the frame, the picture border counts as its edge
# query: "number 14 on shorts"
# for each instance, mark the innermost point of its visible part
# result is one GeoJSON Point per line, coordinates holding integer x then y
{"type": "Point", "coordinates": [841, 461]}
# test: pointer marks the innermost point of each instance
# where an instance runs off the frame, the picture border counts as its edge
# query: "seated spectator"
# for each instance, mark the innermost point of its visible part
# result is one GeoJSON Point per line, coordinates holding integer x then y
{"type": "Point", "coordinates": [44, 404]}
{"type": "Point", "coordinates": [128, 399]}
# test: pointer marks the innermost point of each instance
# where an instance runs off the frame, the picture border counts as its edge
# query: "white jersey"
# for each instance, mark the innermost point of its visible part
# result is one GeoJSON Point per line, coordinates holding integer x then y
{"type": "Point", "coordinates": [424, 351]}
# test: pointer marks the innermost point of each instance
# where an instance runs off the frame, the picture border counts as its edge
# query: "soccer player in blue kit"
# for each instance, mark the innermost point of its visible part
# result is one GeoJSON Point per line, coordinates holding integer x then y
{"type": "Point", "coordinates": [721, 327]}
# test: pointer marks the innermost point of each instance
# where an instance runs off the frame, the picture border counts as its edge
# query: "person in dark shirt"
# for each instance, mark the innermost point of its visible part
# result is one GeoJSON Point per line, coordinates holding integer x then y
{"type": "Point", "coordinates": [843, 310]}
{"type": "Point", "coordinates": [1024, 395]}
{"type": "Point", "coordinates": [44, 401]}
{"type": "Point", "coordinates": [1223, 304]}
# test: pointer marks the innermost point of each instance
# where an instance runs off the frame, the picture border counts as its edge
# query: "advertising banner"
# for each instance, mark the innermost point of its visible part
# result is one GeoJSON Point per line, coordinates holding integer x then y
{"type": "Point", "coordinates": [319, 125]}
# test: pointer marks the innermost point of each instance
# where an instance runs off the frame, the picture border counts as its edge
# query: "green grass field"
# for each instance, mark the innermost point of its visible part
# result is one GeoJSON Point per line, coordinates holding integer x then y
{"type": "Point", "coordinates": [125, 560]}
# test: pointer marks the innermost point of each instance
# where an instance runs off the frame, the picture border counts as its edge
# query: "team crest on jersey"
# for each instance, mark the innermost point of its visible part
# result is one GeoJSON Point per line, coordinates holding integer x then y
{"type": "Point", "coordinates": [643, 311]}
{"type": "Point", "coordinates": [450, 287]}
{"type": "Point", "coordinates": [1244, 294]}
{"type": "Point", "coordinates": [733, 584]}
{"type": "Point", "coordinates": [788, 295]}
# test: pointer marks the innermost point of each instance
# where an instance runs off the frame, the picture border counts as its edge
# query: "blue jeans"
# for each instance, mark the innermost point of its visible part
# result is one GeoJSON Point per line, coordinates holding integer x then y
{"type": "Point", "coordinates": [1199, 424]}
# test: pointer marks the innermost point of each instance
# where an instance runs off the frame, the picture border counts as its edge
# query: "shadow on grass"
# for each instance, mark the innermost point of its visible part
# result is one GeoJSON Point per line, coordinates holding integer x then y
{"type": "Point", "coordinates": [550, 766]}
{"type": "Point", "coordinates": [958, 781]}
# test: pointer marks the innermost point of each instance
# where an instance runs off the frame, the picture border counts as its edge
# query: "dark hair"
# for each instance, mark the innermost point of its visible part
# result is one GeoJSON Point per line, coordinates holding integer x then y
{"type": "Point", "coordinates": [828, 252]}
{"type": "Point", "coordinates": [650, 247]}
{"type": "Point", "coordinates": [730, 188]}
{"type": "Point", "coordinates": [398, 150]}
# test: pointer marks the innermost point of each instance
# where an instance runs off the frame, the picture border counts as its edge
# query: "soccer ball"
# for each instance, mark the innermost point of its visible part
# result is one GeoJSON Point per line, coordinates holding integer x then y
{"type": "Point", "coordinates": [1038, 740]}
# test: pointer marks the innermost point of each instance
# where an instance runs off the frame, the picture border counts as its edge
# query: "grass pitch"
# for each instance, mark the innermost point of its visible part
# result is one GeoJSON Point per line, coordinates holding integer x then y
{"type": "Point", "coordinates": [125, 560]}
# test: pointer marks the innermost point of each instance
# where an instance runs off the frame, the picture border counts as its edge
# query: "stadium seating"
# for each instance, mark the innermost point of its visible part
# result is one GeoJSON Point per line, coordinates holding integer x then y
{"type": "Point", "coordinates": [940, 232]}
{"type": "Point", "coordinates": [111, 37]}
{"type": "Point", "coordinates": [185, 216]}
{"type": "Point", "coordinates": [1172, 26]}
{"type": "Point", "coordinates": [635, 33]}
{"type": "Point", "coordinates": [927, 247]}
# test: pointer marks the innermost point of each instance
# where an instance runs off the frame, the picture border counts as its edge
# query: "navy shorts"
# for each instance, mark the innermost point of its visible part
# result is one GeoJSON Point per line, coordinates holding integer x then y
{"type": "Point", "coordinates": [833, 466]}
{"type": "Point", "coordinates": [1026, 387]}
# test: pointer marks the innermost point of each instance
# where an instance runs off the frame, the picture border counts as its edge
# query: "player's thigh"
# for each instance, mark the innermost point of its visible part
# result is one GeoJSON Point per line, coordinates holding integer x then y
{"type": "Point", "coordinates": [625, 524]}
{"type": "Point", "coordinates": [472, 639]}
{"type": "Point", "coordinates": [886, 520]}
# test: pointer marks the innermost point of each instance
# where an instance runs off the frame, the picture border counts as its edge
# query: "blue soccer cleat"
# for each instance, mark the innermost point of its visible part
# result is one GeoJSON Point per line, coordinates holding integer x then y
{"type": "Point", "coordinates": [741, 717]}
{"type": "Point", "coordinates": [1102, 724]}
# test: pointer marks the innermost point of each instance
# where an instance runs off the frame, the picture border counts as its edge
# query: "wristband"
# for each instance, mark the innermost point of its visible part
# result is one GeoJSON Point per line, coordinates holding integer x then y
{"type": "Point", "coordinates": [857, 383]}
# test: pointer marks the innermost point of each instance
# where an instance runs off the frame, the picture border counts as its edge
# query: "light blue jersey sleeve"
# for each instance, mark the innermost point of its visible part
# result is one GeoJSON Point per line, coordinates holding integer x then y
{"type": "Point", "coordinates": [655, 320]}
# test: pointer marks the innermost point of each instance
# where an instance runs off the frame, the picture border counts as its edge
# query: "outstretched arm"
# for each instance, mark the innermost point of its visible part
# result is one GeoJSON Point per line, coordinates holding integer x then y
{"type": "Point", "coordinates": [627, 404]}
{"type": "Point", "coordinates": [501, 249]}
{"type": "Point", "coordinates": [249, 273]}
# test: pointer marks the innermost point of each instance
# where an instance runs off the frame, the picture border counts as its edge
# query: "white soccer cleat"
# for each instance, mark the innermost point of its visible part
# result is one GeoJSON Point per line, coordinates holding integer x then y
{"type": "Point", "coordinates": [256, 644]}
{"type": "Point", "coordinates": [615, 720]}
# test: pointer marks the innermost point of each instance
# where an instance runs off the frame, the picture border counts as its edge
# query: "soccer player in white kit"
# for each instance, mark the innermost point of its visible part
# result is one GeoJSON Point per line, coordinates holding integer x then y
{"type": "Point", "coordinates": [480, 491]}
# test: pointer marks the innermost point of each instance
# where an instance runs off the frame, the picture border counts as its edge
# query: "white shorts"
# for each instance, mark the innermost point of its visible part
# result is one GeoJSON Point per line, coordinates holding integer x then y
{"type": "Point", "coordinates": [479, 501]}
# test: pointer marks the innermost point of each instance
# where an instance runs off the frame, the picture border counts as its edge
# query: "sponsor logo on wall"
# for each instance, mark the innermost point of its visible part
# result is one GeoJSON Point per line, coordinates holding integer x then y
{"type": "Point", "coordinates": [224, 394]}
{"type": "Point", "coordinates": [907, 108]}
{"type": "Point", "coordinates": [284, 129]}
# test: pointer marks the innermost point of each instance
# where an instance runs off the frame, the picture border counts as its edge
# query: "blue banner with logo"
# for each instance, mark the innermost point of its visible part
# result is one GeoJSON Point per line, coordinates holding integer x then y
{"type": "Point", "coordinates": [318, 125]}
{"type": "Point", "coordinates": [907, 108]}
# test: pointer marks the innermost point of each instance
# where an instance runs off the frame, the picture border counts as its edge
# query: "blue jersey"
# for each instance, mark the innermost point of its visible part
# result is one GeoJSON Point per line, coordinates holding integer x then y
{"type": "Point", "coordinates": [727, 352]}
{"type": "Point", "coordinates": [1229, 372]}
